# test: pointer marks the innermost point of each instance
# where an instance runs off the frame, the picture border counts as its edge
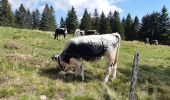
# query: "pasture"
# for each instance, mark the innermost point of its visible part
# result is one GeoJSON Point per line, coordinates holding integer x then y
{"type": "Point", "coordinates": [27, 71]}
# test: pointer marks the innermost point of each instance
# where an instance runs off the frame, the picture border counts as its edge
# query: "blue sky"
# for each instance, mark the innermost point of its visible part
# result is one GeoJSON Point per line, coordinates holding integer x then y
{"type": "Point", "coordinates": [134, 7]}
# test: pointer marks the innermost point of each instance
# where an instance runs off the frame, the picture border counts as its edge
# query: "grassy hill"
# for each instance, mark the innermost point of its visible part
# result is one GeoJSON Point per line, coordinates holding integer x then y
{"type": "Point", "coordinates": [27, 71]}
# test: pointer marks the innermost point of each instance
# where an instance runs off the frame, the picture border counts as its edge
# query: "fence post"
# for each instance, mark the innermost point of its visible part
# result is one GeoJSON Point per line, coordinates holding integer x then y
{"type": "Point", "coordinates": [134, 76]}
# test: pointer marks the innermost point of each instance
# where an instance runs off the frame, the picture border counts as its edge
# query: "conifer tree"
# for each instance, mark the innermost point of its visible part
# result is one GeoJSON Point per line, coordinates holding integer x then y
{"type": "Point", "coordinates": [104, 24]}
{"type": "Point", "coordinates": [62, 23]}
{"type": "Point", "coordinates": [95, 21]}
{"type": "Point", "coordinates": [165, 20]}
{"type": "Point", "coordinates": [128, 27]}
{"type": "Point", "coordinates": [48, 22]}
{"type": "Point", "coordinates": [86, 23]}
{"type": "Point", "coordinates": [28, 23]}
{"type": "Point", "coordinates": [6, 16]}
{"type": "Point", "coordinates": [35, 19]}
{"type": "Point", "coordinates": [71, 21]}
{"type": "Point", "coordinates": [21, 16]}
{"type": "Point", "coordinates": [116, 23]}
{"type": "Point", "coordinates": [135, 29]}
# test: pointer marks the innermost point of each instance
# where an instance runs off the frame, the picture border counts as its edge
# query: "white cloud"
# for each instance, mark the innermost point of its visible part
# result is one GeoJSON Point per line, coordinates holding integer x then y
{"type": "Point", "coordinates": [65, 5]}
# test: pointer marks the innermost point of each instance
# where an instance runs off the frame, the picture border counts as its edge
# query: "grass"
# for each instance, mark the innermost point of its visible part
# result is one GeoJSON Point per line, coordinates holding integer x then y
{"type": "Point", "coordinates": [27, 72]}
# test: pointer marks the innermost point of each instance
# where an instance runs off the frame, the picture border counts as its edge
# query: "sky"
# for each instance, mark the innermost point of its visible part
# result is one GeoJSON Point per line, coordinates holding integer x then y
{"type": "Point", "coordinates": [134, 7]}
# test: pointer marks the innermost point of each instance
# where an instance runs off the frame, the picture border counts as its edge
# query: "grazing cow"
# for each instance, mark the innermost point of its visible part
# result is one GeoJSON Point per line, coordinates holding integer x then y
{"type": "Point", "coordinates": [60, 31]}
{"type": "Point", "coordinates": [155, 42]}
{"type": "Point", "coordinates": [146, 40]}
{"type": "Point", "coordinates": [79, 32]}
{"type": "Point", "coordinates": [90, 48]}
{"type": "Point", "coordinates": [92, 32]}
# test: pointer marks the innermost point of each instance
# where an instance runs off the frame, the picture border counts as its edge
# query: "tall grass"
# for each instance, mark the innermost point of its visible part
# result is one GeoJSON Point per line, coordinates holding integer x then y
{"type": "Point", "coordinates": [27, 72]}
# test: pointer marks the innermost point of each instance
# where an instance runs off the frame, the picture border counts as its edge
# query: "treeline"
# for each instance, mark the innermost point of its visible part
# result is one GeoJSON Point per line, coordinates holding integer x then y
{"type": "Point", "coordinates": [155, 26]}
{"type": "Point", "coordinates": [24, 18]}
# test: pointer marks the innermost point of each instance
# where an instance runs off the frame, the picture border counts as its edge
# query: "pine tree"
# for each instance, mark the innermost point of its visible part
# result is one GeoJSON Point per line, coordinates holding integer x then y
{"type": "Point", "coordinates": [6, 16]}
{"type": "Point", "coordinates": [52, 21]}
{"type": "Point", "coordinates": [150, 26]}
{"type": "Point", "coordinates": [104, 24]}
{"type": "Point", "coordinates": [123, 28]}
{"type": "Point", "coordinates": [116, 23]}
{"type": "Point", "coordinates": [165, 20]}
{"type": "Point", "coordinates": [128, 27]}
{"type": "Point", "coordinates": [86, 23]}
{"type": "Point", "coordinates": [135, 29]}
{"type": "Point", "coordinates": [48, 22]}
{"type": "Point", "coordinates": [111, 20]}
{"type": "Point", "coordinates": [71, 20]}
{"type": "Point", "coordinates": [95, 21]}
{"type": "Point", "coordinates": [62, 23]}
{"type": "Point", "coordinates": [28, 23]}
{"type": "Point", "coordinates": [35, 19]}
{"type": "Point", "coordinates": [21, 16]}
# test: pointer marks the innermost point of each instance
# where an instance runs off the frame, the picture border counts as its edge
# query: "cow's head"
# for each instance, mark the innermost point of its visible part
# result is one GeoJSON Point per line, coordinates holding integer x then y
{"type": "Point", "coordinates": [65, 30]}
{"type": "Point", "coordinates": [60, 62]}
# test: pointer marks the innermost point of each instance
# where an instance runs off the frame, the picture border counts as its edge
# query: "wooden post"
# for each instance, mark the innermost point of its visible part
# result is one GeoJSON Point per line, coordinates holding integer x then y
{"type": "Point", "coordinates": [134, 76]}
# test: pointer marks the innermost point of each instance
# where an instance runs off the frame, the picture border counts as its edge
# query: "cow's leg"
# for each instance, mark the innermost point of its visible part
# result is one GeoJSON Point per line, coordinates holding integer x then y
{"type": "Point", "coordinates": [114, 70]}
{"type": "Point", "coordinates": [54, 36]}
{"type": "Point", "coordinates": [64, 36]}
{"type": "Point", "coordinates": [110, 54]}
{"type": "Point", "coordinates": [108, 72]}
{"type": "Point", "coordinates": [78, 67]}
{"type": "Point", "coordinates": [57, 37]}
{"type": "Point", "coordinates": [82, 72]}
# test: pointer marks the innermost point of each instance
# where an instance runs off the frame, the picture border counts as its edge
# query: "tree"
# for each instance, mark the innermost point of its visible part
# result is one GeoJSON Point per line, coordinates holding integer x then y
{"type": "Point", "coordinates": [116, 23]}
{"type": "Point", "coordinates": [52, 21]}
{"type": "Point", "coordinates": [86, 23]}
{"type": "Point", "coordinates": [123, 22]}
{"type": "Point", "coordinates": [48, 22]}
{"type": "Point", "coordinates": [150, 26]}
{"type": "Point", "coordinates": [104, 24]}
{"type": "Point", "coordinates": [6, 16]}
{"type": "Point", "coordinates": [95, 21]}
{"type": "Point", "coordinates": [165, 20]}
{"type": "Point", "coordinates": [135, 29]}
{"type": "Point", "coordinates": [111, 20]}
{"type": "Point", "coordinates": [128, 27]}
{"type": "Point", "coordinates": [71, 20]}
{"type": "Point", "coordinates": [62, 23]}
{"type": "Point", "coordinates": [28, 23]}
{"type": "Point", "coordinates": [20, 17]}
{"type": "Point", "coordinates": [35, 19]}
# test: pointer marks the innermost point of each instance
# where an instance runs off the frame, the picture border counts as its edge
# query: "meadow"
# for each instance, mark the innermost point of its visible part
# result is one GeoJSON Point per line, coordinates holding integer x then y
{"type": "Point", "coordinates": [27, 71]}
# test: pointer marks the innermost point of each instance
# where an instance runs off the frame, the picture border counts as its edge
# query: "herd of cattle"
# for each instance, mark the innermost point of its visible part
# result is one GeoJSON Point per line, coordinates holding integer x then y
{"type": "Point", "coordinates": [89, 46]}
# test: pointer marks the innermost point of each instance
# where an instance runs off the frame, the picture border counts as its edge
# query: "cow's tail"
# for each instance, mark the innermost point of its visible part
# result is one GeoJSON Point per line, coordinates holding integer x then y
{"type": "Point", "coordinates": [118, 45]}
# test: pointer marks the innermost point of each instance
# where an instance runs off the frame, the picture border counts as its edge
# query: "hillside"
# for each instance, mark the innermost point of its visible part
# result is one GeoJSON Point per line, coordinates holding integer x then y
{"type": "Point", "coordinates": [27, 71]}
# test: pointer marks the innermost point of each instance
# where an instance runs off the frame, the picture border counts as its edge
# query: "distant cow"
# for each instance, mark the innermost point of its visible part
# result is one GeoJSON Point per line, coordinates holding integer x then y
{"type": "Point", "coordinates": [79, 32]}
{"type": "Point", "coordinates": [60, 31]}
{"type": "Point", "coordinates": [90, 48]}
{"type": "Point", "coordinates": [92, 32]}
{"type": "Point", "coordinates": [155, 42]}
{"type": "Point", "coordinates": [147, 41]}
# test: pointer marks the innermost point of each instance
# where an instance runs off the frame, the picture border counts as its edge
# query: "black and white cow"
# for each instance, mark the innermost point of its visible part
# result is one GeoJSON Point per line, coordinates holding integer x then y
{"type": "Point", "coordinates": [60, 31]}
{"type": "Point", "coordinates": [90, 48]}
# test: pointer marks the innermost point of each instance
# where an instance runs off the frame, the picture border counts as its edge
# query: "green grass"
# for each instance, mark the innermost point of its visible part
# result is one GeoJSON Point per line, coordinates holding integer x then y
{"type": "Point", "coordinates": [27, 72]}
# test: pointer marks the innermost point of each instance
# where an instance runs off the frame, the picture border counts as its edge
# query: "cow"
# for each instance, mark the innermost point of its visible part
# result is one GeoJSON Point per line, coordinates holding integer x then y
{"type": "Point", "coordinates": [60, 31]}
{"type": "Point", "coordinates": [90, 48]}
{"type": "Point", "coordinates": [155, 42]}
{"type": "Point", "coordinates": [79, 32]}
{"type": "Point", "coordinates": [92, 32]}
